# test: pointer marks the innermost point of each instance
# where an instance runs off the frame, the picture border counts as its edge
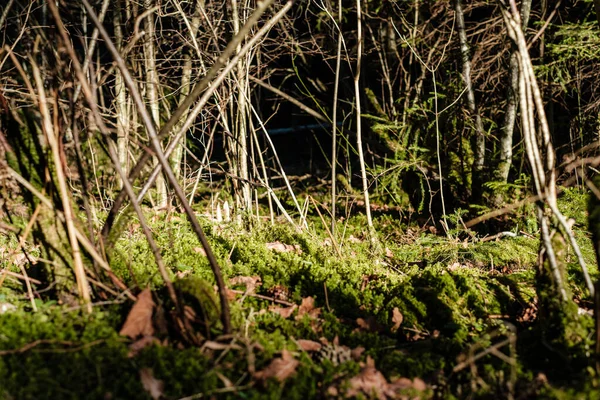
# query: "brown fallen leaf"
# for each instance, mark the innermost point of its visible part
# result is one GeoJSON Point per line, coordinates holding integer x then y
{"type": "Point", "coordinates": [284, 248]}
{"type": "Point", "coordinates": [369, 324]}
{"type": "Point", "coordinates": [309, 345]}
{"type": "Point", "coordinates": [139, 320]}
{"type": "Point", "coordinates": [138, 345]}
{"type": "Point", "coordinates": [251, 282]}
{"type": "Point", "coordinates": [398, 385]}
{"type": "Point", "coordinates": [368, 382]}
{"type": "Point", "coordinates": [308, 307]}
{"type": "Point", "coordinates": [153, 386]}
{"type": "Point", "coordinates": [280, 368]}
{"type": "Point", "coordinates": [419, 384]}
{"type": "Point", "coordinates": [285, 312]}
{"type": "Point", "coordinates": [231, 295]}
{"type": "Point", "coordinates": [397, 319]}
{"type": "Point", "coordinates": [357, 353]}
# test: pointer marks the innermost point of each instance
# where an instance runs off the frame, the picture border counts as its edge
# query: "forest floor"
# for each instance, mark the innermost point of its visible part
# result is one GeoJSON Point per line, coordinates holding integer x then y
{"type": "Point", "coordinates": [421, 314]}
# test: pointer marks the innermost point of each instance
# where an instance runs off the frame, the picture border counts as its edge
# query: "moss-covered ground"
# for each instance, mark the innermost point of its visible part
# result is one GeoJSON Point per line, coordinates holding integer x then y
{"type": "Point", "coordinates": [421, 305]}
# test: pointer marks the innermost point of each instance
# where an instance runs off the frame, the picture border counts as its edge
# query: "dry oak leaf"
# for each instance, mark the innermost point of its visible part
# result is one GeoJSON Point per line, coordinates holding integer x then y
{"type": "Point", "coordinates": [397, 319]}
{"type": "Point", "coordinates": [308, 307]}
{"type": "Point", "coordinates": [280, 368]}
{"type": "Point", "coordinates": [139, 320]}
{"type": "Point", "coordinates": [309, 345]}
{"type": "Point", "coordinates": [369, 382]}
{"type": "Point", "coordinates": [284, 248]}
{"type": "Point", "coordinates": [153, 386]}
{"type": "Point", "coordinates": [251, 282]}
{"type": "Point", "coordinates": [285, 312]}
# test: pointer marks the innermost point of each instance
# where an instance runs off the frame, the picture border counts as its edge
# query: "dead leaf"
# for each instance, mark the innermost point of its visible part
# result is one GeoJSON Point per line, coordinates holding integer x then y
{"type": "Point", "coordinates": [279, 292]}
{"type": "Point", "coordinates": [285, 312]}
{"type": "Point", "coordinates": [200, 250]}
{"type": "Point", "coordinates": [357, 353]}
{"type": "Point", "coordinates": [419, 384]}
{"type": "Point", "coordinates": [138, 345]}
{"type": "Point", "coordinates": [397, 319]}
{"type": "Point", "coordinates": [280, 368]}
{"type": "Point", "coordinates": [400, 384]}
{"type": "Point", "coordinates": [153, 386]}
{"type": "Point", "coordinates": [397, 385]}
{"type": "Point", "coordinates": [332, 391]}
{"type": "Point", "coordinates": [369, 324]}
{"type": "Point", "coordinates": [139, 320]}
{"type": "Point", "coordinates": [231, 295]}
{"type": "Point", "coordinates": [309, 345]}
{"type": "Point", "coordinates": [284, 248]}
{"type": "Point", "coordinates": [251, 282]}
{"type": "Point", "coordinates": [308, 307]}
{"type": "Point", "coordinates": [389, 253]}
{"type": "Point", "coordinates": [368, 382]}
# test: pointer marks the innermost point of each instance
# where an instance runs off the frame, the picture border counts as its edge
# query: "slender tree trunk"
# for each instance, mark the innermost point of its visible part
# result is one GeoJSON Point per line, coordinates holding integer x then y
{"type": "Point", "coordinates": [152, 92]}
{"type": "Point", "coordinates": [505, 141]}
{"type": "Point", "coordinates": [240, 142]}
{"type": "Point", "coordinates": [363, 168]}
{"type": "Point", "coordinates": [121, 101]}
{"type": "Point", "coordinates": [186, 77]}
{"type": "Point", "coordinates": [334, 119]}
{"type": "Point", "coordinates": [479, 135]}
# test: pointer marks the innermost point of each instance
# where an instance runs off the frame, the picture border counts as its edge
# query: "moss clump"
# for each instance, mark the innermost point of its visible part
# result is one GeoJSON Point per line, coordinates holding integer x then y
{"type": "Point", "coordinates": [562, 330]}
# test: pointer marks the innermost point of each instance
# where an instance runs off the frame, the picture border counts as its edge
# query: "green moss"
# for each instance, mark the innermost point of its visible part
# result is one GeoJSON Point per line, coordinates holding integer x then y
{"type": "Point", "coordinates": [446, 291]}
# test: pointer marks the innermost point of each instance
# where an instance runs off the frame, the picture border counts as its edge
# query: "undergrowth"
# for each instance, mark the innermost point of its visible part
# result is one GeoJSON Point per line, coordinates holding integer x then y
{"type": "Point", "coordinates": [452, 293]}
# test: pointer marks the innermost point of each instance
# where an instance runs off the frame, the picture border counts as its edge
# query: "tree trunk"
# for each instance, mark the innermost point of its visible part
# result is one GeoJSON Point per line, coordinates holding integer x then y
{"type": "Point", "coordinates": [121, 101]}
{"type": "Point", "coordinates": [479, 135]}
{"type": "Point", "coordinates": [152, 93]}
{"type": "Point", "coordinates": [239, 145]}
{"type": "Point", "coordinates": [505, 141]}
{"type": "Point", "coordinates": [363, 168]}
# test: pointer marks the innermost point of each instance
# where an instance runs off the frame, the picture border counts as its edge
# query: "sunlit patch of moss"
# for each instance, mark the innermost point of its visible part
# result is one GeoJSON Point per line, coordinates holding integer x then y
{"type": "Point", "coordinates": [446, 290]}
